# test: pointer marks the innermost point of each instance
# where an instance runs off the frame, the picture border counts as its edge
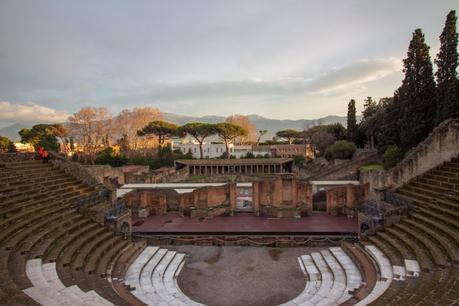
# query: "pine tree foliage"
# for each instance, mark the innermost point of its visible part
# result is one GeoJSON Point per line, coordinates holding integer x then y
{"type": "Point", "coordinates": [446, 61]}
{"type": "Point", "coordinates": [417, 94]}
{"type": "Point", "coordinates": [351, 121]}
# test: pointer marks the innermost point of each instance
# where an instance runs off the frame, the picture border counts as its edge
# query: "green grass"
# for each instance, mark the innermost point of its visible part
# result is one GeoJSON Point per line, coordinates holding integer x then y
{"type": "Point", "coordinates": [193, 178]}
{"type": "Point", "coordinates": [369, 167]}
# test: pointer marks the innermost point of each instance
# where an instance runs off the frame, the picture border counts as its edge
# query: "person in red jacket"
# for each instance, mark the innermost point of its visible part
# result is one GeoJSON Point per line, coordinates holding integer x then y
{"type": "Point", "coordinates": [40, 151]}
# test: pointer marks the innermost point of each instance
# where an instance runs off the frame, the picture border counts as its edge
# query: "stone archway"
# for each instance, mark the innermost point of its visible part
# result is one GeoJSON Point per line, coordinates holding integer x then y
{"type": "Point", "coordinates": [319, 201]}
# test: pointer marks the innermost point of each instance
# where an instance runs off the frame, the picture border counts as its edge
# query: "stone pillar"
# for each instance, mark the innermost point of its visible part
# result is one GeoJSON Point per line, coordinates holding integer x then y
{"type": "Point", "coordinates": [232, 197]}
{"type": "Point", "coordinates": [350, 196]}
{"type": "Point", "coordinates": [256, 197]}
{"type": "Point", "coordinates": [294, 193]}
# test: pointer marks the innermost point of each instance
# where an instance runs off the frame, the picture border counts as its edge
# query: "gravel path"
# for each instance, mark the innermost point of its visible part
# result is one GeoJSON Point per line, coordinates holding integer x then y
{"type": "Point", "coordinates": [242, 276]}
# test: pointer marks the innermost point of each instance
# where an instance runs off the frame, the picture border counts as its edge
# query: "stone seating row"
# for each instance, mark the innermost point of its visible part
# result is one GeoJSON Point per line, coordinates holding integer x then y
{"type": "Point", "coordinates": [42, 223]}
{"type": "Point", "coordinates": [152, 277]}
{"type": "Point", "coordinates": [48, 290]}
{"type": "Point", "coordinates": [331, 275]}
{"type": "Point", "coordinates": [426, 243]}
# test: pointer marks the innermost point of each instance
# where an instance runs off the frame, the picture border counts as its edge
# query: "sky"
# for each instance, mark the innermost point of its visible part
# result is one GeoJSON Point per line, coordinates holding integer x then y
{"type": "Point", "coordinates": [283, 59]}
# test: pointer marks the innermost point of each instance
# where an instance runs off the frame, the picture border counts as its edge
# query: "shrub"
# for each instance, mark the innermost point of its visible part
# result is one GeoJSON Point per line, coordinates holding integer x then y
{"type": "Point", "coordinates": [106, 157]}
{"type": "Point", "coordinates": [340, 150]}
{"type": "Point", "coordinates": [392, 156]}
{"type": "Point", "coordinates": [298, 159]}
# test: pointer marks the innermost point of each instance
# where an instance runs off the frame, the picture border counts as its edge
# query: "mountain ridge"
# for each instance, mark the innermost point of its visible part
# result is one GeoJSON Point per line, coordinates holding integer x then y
{"type": "Point", "coordinates": [261, 123]}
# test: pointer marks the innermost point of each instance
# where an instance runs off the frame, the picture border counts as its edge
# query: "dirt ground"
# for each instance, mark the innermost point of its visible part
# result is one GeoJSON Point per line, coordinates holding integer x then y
{"type": "Point", "coordinates": [243, 276]}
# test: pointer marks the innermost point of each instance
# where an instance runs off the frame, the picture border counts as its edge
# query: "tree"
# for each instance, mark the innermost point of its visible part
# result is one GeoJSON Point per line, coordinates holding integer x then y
{"type": "Point", "coordinates": [4, 143]}
{"type": "Point", "coordinates": [199, 131]}
{"type": "Point", "coordinates": [128, 122]}
{"type": "Point", "coordinates": [289, 134]}
{"type": "Point", "coordinates": [320, 138]}
{"type": "Point", "coordinates": [92, 127]}
{"type": "Point", "coordinates": [261, 133]}
{"type": "Point", "coordinates": [41, 135]}
{"type": "Point", "coordinates": [162, 129]}
{"type": "Point", "coordinates": [370, 124]}
{"type": "Point", "coordinates": [228, 132]}
{"type": "Point", "coordinates": [244, 122]}
{"type": "Point", "coordinates": [340, 150]}
{"type": "Point", "coordinates": [447, 81]}
{"type": "Point", "coordinates": [351, 121]}
{"type": "Point", "coordinates": [417, 94]}
{"type": "Point", "coordinates": [390, 122]}
{"type": "Point", "coordinates": [338, 130]}
{"type": "Point", "coordinates": [370, 107]}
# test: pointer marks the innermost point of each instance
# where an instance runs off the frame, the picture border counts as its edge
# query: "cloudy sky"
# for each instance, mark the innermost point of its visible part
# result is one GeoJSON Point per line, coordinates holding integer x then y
{"type": "Point", "coordinates": [279, 59]}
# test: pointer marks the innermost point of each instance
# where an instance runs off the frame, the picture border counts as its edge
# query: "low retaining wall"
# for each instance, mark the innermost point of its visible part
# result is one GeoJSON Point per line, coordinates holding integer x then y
{"type": "Point", "coordinates": [440, 146]}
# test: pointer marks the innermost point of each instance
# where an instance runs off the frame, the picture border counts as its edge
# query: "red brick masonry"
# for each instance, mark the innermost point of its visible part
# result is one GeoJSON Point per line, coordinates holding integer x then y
{"type": "Point", "coordinates": [240, 223]}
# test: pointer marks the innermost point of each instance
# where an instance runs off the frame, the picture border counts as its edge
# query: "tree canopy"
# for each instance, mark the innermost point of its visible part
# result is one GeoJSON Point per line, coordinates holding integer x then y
{"type": "Point", "coordinates": [199, 131]}
{"type": "Point", "coordinates": [289, 134]}
{"type": "Point", "coordinates": [351, 121]}
{"type": "Point", "coordinates": [417, 94]}
{"type": "Point", "coordinates": [447, 81]}
{"type": "Point", "coordinates": [43, 135]}
{"type": "Point", "coordinates": [162, 129]}
{"type": "Point", "coordinates": [228, 132]}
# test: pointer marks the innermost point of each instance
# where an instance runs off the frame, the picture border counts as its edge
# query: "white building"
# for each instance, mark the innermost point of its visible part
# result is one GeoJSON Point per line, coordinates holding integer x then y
{"type": "Point", "coordinates": [215, 150]}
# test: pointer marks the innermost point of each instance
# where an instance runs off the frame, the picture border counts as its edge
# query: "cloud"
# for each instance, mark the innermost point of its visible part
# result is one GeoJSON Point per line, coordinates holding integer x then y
{"type": "Point", "coordinates": [30, 112]}
{"type": "Point", "coordinates": [345, 79]}
{"type": "Point", "coordinates": [354, 75]}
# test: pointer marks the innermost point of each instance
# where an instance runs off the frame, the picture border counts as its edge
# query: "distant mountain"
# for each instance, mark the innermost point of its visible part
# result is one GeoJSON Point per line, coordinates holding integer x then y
{"type": "Point", "coordinates": [11, 131]}
{"type": "Point", "coordinates": [262, 123]}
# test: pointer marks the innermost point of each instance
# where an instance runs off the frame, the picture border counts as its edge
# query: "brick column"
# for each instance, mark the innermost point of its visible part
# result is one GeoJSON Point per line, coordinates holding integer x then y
{"type": "Point", "coordinates": [232, 197]}
{"type": "Point", "coordinates": [256, 197]}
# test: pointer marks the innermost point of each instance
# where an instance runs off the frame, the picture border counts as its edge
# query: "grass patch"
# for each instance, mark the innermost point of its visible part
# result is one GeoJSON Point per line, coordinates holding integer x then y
{"type": "Point", "coordinates": [193, 178]}
{"type": "Point", "coordinates": [370, 167]}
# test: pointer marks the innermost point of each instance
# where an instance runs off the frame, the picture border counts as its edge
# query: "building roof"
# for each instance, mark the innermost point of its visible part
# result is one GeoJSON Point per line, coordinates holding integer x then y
{"type": "Point", "coordinates": [233, 162]}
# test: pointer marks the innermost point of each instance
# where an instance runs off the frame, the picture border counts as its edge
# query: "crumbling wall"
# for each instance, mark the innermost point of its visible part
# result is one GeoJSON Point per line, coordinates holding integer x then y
{"type": "Point", "coordinates": [208, 202]}
{"type": "Point", "coordinates": [440, 146]}
{"type": "Point", "coordinates": [282, 197]}
{"type": "Point", "coordinates": [346, 200]}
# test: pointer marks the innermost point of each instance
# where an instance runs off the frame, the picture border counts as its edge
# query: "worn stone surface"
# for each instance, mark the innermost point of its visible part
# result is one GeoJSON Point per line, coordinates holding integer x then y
{"type": "Point", "coordinates": [227, 276]}
{"type": "Point", "coordinates": [440, 146]}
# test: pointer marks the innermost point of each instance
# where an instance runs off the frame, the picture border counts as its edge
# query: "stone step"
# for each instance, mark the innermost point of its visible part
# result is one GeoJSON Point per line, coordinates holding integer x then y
{"type": "Point", "coordinates": [393, 241]}
{"type": "Point", "coordinates": [438, 225]}
{"type": "Point", "coordinates": [390, 251]}
{"type": "Point", "coordinates": [422, 255]}
{"type": "Point", "coordinates": [451, 249]}
{"type": "Point", "coordinates": [437, 254]}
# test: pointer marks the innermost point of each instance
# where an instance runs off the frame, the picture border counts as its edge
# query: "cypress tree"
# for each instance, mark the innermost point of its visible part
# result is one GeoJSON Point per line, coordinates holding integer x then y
{"type": "Point", "coordinates": [447, 82]}
{"type": "Point", "coordinates": [417, 94]}
{"type": "Point", "coordinates": [351, 121]}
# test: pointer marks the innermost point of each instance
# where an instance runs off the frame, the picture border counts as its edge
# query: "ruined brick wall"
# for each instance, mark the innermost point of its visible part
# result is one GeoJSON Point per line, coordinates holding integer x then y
{"type": "Point", "coordinates": [144, 203]}
{"type": "Point", "coordinates": [208, 202]}
{"type": "Point", "coordinates": [346, 200]}
{"type": "Point", "coordinates": [282, 197]}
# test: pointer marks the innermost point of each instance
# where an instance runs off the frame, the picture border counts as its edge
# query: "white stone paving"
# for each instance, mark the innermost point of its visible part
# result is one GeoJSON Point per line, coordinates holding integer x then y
{"type": "Point", "coordinates": [154, 275]}
{"type": "Point", "coordinates": [48, 290]}
{"type": "Point", "coordinates": [353, 277]}
{"type": "Point", "coordinates": [412, 267]}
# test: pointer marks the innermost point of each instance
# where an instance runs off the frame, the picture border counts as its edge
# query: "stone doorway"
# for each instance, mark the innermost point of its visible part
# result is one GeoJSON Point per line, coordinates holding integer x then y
{"type": "Point", "coordinates": [319, 201]}
{"type": "Point", "coordinates": [244, 199]}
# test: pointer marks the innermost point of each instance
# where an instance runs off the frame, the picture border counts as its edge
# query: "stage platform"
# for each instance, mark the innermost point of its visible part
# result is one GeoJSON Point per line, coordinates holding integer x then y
{"type": "Point", "coordinates": [246, 224]}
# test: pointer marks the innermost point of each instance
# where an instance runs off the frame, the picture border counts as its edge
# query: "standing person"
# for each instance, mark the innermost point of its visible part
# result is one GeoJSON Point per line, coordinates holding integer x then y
{"type": "Point", "coordinates": [40, 153]}
{"type": "Point", "coordinates": [45, 156]}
